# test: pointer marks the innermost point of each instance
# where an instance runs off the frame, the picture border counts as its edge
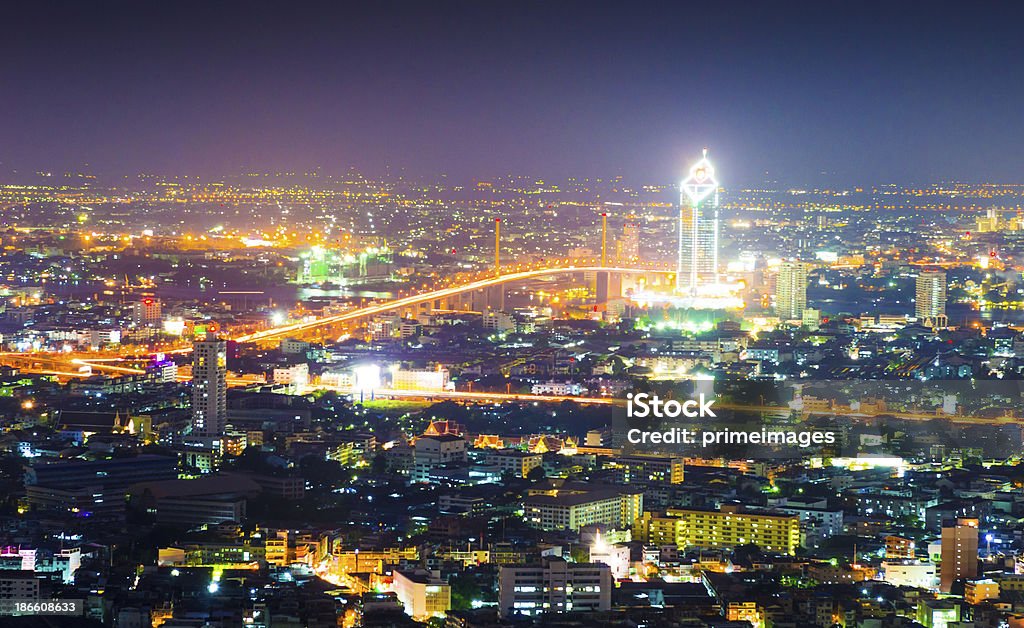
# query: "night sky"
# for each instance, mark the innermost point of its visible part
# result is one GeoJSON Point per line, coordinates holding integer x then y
{"type": "Point", "coordinates": [822, 93]}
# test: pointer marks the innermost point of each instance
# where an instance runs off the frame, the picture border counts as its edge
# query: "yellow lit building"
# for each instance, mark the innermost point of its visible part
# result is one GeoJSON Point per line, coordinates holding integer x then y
{"type": "Point", "coordinates": [371, 561]}
{"type": "Point", "coordinates": [977, 591]}
{"type": "Point", "coordinates": [897, 547]}
{"type": "Point", "coordinates": [744, 611]}
{"type": "Point", "coordinates": [279, 551]}
{"type": "Point", "coordinates": [518, 463]}
{"type": "Point", "coordinates": [1010, 582]}
{"type": "Point", "coordinates": [728, 527]}
{"type": "Point", "coordinates": [228, 554]}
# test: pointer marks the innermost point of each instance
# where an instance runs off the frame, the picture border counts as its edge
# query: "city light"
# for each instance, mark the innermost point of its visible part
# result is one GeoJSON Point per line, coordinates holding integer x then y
{"type": "Point", "coordinates": [367, 378]}
{"type": "Point", "coordinates": [415, 317]}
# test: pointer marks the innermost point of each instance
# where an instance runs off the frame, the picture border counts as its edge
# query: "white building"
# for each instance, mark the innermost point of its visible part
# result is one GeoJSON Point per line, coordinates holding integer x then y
{"type": "Point", "coordinates": [68, 561]}
{"type": "Point", "coordinates": [791, 291]}
{"type": "Point", "coordinates": [674, 364]}
{"type": "Point", "coordinates": [499, 321]}
{"type": "Point", "coordinates": [558, 389]}
{"type": "Point", "coordinates": [615, 556]}
{"type": "Point", "coordinates": [816, 524]}
{"type": "Point", "coordinates": [209, 386]}
{"type": "Point", "coordinates": [554, 586]}
{"type": "Point", "coordinates": [430, 452]}
{"type": "Point", "coordinates": [697, 262]}
{"type": "Point", "coordinates": [518, 463]}
{"type": "Point", "coordinates": [146, 313]}
{"type": "Point", "coordinates": [423, 593]}
{"type": "Point", "coordinates": [811, 319]}
{"type": "Point", "coordinates": [294, 346]}
{"type": "Point", "coordinates": [296, 377]}
{"type": "Point", "coordinates": [409, 328]}
{"type": "Point", "coordinates": [910, 573]}
{"type": "Point", "coordinates": [385, 327]}
{"type": "Point", "coordinates": [930, 301]}
{"type": "Point", "coordinates": [97, 338]}
{"type": "Point", "coordinates": [570, 507]}
{"type": "Point", "coordinates": [164, 371]}
{"type": "Point", "coordinates": [337, 379]}
{"type": "Point", "coordinates": [420, 379]}
{"type": "Point", "coordinates": [18, 585]}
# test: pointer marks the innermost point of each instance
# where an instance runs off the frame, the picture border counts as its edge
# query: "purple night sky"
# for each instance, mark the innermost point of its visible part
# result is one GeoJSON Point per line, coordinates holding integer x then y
{"type": "Point", "coordinates": [816, 93]}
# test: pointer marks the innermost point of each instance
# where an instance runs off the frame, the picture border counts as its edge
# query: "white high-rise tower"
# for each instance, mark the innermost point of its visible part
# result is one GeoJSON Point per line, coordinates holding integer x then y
{"type": "Point", "coordinates": [698, 229]}
{"type": "Point", "coordinates": [209, 386]}
{"type": "Point", "coordinates": [791, 290]}
{"type": "Point", "coordinates": [930, 303]}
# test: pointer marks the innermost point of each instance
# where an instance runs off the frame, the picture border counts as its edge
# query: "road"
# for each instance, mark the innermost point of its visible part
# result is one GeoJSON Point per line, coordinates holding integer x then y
{"type": "Point", "coordinates": [114, 365]}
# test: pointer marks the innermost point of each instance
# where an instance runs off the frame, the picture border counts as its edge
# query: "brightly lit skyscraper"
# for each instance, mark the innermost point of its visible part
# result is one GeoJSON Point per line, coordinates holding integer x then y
{"type": "Point", "coordinates": [699, 284]}
{"type": "Point", "coordinates": [698, 229]}
{"type": "Point", "coordinates": [209, 386]}
{"type": "Point", "coordinates": [930, 302]}
{"type": "Point", "coordinates": [791, 290]}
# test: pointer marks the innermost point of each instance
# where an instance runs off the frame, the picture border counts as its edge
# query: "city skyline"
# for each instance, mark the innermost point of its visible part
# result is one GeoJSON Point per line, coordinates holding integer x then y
{"type": "Point", "coordinates": [496, 315]}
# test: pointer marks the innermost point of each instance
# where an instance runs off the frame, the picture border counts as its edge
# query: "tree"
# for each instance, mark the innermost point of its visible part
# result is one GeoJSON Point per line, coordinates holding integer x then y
{"type": "Point", "coordinates": [746, 554]}
{"type": "Point", "coordinates": [536, 474]}
{"type": "Point", "coordinates": [464, 590]}
{"type": "Point", "coordinates": [618, 366]}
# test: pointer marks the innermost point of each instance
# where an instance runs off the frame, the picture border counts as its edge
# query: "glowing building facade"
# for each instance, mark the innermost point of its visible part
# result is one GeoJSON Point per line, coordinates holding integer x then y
{"type": "Point", "coordinates": [697, 261]}
{"type": "Point", "coordinates": [699, 285]}
{"type": "Point", "coordinates": [930, 305]}
{"type": "Point", "coordinates": [209, 386]}
{"type": "Point", "coordinates": [791, 290]}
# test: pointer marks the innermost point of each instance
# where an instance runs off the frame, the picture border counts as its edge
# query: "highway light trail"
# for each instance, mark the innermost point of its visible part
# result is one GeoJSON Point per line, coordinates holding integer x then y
{"type": "Point", "coordinates": [443, 293]}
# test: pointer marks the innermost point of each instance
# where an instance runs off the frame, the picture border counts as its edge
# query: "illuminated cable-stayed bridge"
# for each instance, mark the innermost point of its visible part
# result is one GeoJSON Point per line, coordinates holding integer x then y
{"type": "Point", "coordinates": [439, 296]}
{"type": "Point", "coordinates": [440, 299]}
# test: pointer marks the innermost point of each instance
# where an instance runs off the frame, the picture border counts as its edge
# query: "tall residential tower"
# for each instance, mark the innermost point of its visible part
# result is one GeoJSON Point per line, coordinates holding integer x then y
{"type": "Point", "coordinates": [930, 303]}
{"type": "Point", "coordinates": [209, 386]}
{"type": "Point", "coordinates": [959, 552]}
{"type": "Point", "coordinates": [791, 290]}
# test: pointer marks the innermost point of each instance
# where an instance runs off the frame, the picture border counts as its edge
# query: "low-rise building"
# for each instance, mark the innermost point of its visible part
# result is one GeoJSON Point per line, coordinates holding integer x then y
{"type": "Point", "coordinates": [569, 506]}
{"type": "Point", "coordinates": [517, 462]}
